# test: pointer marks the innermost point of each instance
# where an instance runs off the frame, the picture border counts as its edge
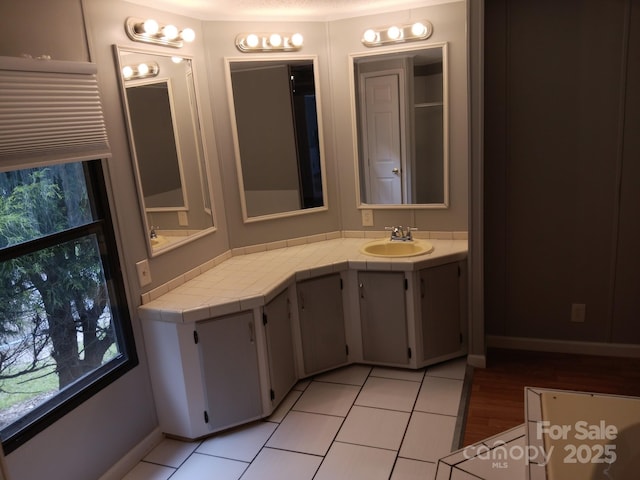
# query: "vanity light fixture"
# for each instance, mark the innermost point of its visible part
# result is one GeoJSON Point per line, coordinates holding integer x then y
{"type": "Point", "coordinates": [376, 37]}
{"type": "Point", "coordinates": [150, 31]}
{"type": "Point", "coordinates": [269, 42]}
{"type": "Point", "coordinates": [142, 70]}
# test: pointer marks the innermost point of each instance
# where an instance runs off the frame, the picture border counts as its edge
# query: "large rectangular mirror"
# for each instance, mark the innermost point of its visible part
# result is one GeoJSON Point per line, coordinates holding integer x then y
{"type": "Point", "coordinates": [399, 100]}
{"type": "Point", "coordinates": [275, 118]}
{"type": "Point", "coordinates": [166, 143]}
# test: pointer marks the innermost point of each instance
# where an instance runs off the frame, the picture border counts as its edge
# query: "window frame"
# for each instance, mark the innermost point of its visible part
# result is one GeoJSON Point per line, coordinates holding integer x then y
{"type": "Point", "coordinates": [65, 401]}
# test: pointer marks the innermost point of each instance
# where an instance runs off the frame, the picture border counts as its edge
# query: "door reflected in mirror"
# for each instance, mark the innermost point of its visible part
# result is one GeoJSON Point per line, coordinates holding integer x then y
{"type": "Point", "coordinates": [400, 102]}
{"type": "Point", "coordinates": [166, 143]}
{"type": "Point", "coordinates": [278, 136]}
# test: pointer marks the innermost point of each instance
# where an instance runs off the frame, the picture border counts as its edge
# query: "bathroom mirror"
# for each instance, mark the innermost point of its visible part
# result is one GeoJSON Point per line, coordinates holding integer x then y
{"type": "Point", "coordinates": [399, 100]}
{"type": "Point", "coordinates": [164, 132]}
{"type": "Point", "coordinates": [275, 118]}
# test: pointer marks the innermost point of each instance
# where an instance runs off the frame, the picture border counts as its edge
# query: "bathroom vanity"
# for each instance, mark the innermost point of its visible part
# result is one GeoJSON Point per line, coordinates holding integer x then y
{"type": "Point", "coordinates": [229, 341]}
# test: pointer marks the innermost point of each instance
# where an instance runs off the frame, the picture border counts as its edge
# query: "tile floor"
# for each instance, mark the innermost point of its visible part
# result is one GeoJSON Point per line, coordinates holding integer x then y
{"type": "Point", "coordinates": [357, 422]}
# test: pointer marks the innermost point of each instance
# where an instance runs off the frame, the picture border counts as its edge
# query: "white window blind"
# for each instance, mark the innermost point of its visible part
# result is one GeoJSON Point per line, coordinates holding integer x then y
{"type": "Point", "coordinates": [50, 111]}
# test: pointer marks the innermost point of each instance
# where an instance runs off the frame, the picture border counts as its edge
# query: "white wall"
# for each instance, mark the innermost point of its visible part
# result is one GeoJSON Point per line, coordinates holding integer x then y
{"type": "Point", "coordinates": [449, 25]}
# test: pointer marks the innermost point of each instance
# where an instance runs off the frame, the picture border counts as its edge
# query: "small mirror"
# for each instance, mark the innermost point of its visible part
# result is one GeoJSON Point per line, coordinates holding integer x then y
{"type": "Point", "coordinates": [400, 102]}
{"type": "Point", "coordinates": [164, 132]}
{"type": "Point", "coordinates": [275, 112]}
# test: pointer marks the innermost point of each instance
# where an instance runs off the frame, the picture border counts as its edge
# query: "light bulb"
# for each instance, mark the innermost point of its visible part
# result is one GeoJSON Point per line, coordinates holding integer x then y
{"type": "Point", "coordinates": [143, 69]}
{"type": "Point", "coordinates": [188, 35]}
{"type": "Point", "coordinates": [150, 27]}
{"type": "Point", "coordinates": [418, 29]}
{"type": "Point", "coordinates": [176, 59]}
{"type": "Point", "coordinates": [275, 40]}
{"type": "Point", "coordinates": [252, 40]}
{"type": "Point", "coordinates": [370, 36]}
{"type": "Point", "coordinates": [394, 33]}
{"type": "Point", "coordinates": [296, 39]}
{"type": "Point", "coordinates": [127, 72]}
{"type": "Point", "coordinates": [170, 32]}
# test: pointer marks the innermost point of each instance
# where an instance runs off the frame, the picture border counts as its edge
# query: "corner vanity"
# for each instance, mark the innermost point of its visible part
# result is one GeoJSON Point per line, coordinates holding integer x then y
{"type": "Point", "coordinates": [227, 342]}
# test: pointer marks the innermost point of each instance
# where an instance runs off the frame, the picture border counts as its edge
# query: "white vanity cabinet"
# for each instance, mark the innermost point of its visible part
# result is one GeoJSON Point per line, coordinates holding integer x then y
{"type": "Point", "coordinates": [383, 318]}
{"type": "Point", "coordinates": [442, 308]}
{"type": "Point", "coordinates": [205, 375]}
{"type": "Point", "coordinates": [276, 319]}
{"type": "Point", "coordinates": [321, 323]}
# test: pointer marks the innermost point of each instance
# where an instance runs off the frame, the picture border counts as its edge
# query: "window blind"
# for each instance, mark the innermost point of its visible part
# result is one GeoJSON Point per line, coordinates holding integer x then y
{"type": "Point", "coordinates": [50, 111]}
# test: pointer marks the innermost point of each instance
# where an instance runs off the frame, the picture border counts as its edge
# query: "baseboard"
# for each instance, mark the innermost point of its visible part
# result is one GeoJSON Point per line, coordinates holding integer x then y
{"type": "Point", "coordinates": [564, 346]}
{"type": "Point", "coordinates": [477, 361]}
{"type": "Point", "coordinates": [131, 459]}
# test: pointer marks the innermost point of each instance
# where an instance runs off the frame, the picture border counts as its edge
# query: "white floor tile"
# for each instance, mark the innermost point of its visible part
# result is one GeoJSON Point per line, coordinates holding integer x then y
{"type": "Point", "coordinates": [285, 405]}
{"type": "Point", "coordinates": [149, 471]}
{"type": "Point", "coordinates": [374, 427]}
{"type": "Point", "coordinates": [206, 467]}
{"type": "Point", "coordinates": [388, 393]}
{"type": "Point", "coordinates": [460, 475]}
{"type": "Point", "coordinates": [406, 469]}
{"type": "Point", "coordinates": [429, 437]}
{"type": "Point", "coordinates": [451, 369]}
{"type": "Point", "coordinates": [171, 453]}
{"type": "Point", "coordinates": [272, 464]}
{"type": "Point", "coordinates": [306, 433]}
{"type": "Point", "coordinates": [355, 462]}
{"type": "Point", "coordinates": [327, 398]}
{"type": "Point", "coordinates": [241, 444]}
{"type": "Point", "coordinates": [350, 375]}
{"type": "Point", "coordinates": [439, 395]}
{"type": "Point", "coordinates": [398, 373]}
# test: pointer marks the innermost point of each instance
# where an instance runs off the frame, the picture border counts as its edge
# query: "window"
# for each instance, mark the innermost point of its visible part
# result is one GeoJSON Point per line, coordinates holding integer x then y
{"type": "Point", "coordinates": [65, 331]}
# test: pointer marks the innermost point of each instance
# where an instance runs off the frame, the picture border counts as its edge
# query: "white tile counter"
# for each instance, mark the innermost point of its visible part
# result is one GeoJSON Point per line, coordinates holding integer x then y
{"type": "Point", "coordinates": [239, 281]}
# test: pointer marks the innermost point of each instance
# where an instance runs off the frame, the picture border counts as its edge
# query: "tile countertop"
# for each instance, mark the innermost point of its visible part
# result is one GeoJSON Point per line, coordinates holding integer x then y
{"type": "Point", "coordinates": [250, 280]}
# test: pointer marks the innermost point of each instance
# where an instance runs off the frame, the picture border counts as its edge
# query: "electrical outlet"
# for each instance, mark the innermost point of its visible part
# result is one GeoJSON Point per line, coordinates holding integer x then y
{"type": "Point", "coordinates": [144, 273]}
{"type": "Point", "coordinates": [367, 218]}
{"type": "Point", "coordinates": [578, 311]}
{"type": "Point", "coordinates": [183, 220]}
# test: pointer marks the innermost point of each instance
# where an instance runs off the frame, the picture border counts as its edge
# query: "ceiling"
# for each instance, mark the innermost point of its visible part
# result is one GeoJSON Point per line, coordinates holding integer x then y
{"type": "Point", "coordinates": [302, 10]}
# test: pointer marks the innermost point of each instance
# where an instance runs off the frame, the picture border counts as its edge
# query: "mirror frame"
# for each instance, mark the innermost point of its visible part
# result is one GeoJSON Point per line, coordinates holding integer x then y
{"type": "Point", "coordinates": [352, 58]}
{"type": "Point", "coordinates": [202, 148]}
{"type": "Point", "coordinates": [236, 144]}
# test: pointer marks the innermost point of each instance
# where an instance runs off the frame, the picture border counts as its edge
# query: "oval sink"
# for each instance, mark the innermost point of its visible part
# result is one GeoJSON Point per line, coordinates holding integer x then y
{"type": "Point", "coordinates": [159, 240]}
{"type": "Point", "coordinates": [387, 248]}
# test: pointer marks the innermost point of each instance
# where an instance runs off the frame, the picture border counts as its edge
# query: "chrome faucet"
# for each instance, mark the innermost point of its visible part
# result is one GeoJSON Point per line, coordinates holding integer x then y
{"type": "Point", "coordinates": [152, 233]}
{"type": "Point", "coordinates": [400, 233]}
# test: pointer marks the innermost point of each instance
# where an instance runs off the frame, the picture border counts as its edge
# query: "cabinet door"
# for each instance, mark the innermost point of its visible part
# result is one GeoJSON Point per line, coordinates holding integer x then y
{"type": "Point", "coordinates": [282, 370]}
{"type": "Point", "coordinates": [441, 307]}
{"type": "Point", "coordinates": [322, 323]}
{"type": "Point", "coordinates": [383, 317]}
{"type": "Point", "coordinates": [230, 369]}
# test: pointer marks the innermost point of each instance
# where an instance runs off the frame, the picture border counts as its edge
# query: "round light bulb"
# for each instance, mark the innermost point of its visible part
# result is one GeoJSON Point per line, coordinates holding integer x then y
{"type": "Point", "coordinates": [370, 36]}
{"type": "Point", "coordinates": [127, 72]}
{"type": "Point", "coordinates": [170, 32]}
{"type": "Point", "coordinates": [143, 69]}
{"type": "Point", "coordinates": [275, 40]}
{"type": "Point", "coordinates": [418, 29]}
{"type": "Point", "coordinates": [252, 40]}
{"type": "Point", "coordinates": [296, 39]}
{"type": "Point", "coordinates": [188, 35]}
{"type": "Point", "coordinates": [150, 27]}
{"type": "Point", "coordinates": [394, 33]}
{"type": "Point", "coordinates": [176, 59]}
